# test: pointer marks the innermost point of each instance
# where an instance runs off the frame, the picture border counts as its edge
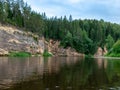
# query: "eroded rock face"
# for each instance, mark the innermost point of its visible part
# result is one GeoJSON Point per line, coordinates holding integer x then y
{"type": "Point", "coordinates": [3, 52]}
{"type": "Point", "coordinates": [105, 51]}
{"type": "Point", "coordinates": [57, 50]}
{"type": "Point", "coordinates": [100, 52]}
{"type": "Point", "coordinates": [12, 39]}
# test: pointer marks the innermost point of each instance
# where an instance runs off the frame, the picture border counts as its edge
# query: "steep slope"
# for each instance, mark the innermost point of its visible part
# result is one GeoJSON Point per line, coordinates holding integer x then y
{"type": "Point", "coordinates": [13, 39]}
{"type": "Point", "coordinates": [57, 50]}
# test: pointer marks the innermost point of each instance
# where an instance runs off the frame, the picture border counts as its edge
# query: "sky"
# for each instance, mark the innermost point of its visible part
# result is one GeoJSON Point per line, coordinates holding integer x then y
{"type": "Point", "coordinates": [108, 10]}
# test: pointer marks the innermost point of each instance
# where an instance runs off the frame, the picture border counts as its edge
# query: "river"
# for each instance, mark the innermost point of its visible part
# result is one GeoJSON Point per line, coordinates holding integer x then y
{"type": "Point", "coordinates": [59, 73]}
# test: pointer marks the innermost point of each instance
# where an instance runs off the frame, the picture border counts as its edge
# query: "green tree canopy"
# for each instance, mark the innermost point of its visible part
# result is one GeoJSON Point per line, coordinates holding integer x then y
{"type": "Point", "coordinates": [109, 42]}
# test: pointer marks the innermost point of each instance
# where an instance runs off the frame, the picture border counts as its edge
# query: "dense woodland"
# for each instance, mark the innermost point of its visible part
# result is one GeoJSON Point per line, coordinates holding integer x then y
{"type": "Point", "coordinates": [83, 35]}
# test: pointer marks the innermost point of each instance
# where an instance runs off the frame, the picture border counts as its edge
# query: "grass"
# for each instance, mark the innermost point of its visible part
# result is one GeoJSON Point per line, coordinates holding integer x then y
{"type": "Point", "coordinates": [19, 54]}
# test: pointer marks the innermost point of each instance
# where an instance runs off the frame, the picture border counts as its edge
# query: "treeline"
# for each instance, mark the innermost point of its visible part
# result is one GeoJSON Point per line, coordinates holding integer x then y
{"type": "Point", "coordinates": [19, 13]}
{"type": "Point", "coordinates": [83, 35]}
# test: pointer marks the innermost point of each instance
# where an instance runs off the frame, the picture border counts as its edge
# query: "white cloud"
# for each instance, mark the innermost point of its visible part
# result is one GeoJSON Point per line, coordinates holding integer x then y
{"type": "Point", "coordinates": [105, 9]}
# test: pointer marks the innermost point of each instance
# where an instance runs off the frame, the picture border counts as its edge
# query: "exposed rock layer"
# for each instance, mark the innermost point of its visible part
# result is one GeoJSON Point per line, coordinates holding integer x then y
{"type": "Point", "coordinates": [100, 52]}
{"type": "Point", "coordinates": [57, 50]}
{"type": "Point", "coordinates": [14, 39]}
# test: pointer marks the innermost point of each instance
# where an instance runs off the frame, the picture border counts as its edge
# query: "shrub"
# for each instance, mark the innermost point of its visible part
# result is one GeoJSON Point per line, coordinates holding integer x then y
{"type": "Point", "coordinates": [47, 54]}
{"type": "Point", "coordinates": [19, 54]}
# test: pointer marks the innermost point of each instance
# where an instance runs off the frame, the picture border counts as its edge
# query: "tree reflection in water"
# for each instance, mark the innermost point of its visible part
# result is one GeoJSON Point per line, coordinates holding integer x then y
{"type": "Point", "coordinates": [58, 73]}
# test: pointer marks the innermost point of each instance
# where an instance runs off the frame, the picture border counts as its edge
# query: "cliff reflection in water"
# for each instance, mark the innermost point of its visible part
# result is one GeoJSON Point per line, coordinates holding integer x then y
{"type": "Point", "coordinates": [59, 73]}
{"type": "Point", "coordinates": [13, 70]}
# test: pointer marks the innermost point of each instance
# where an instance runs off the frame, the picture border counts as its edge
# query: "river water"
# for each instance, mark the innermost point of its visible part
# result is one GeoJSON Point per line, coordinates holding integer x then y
{"type": "Point", "coordinates": [59, 73]}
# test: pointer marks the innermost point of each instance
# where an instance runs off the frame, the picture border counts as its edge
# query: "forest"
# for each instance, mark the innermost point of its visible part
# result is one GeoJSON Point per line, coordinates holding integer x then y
{"type": "Point", "coordinates": [84, 35]}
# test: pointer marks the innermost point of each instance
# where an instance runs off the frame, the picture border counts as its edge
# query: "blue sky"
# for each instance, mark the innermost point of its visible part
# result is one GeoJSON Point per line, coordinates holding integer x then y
{"type": "Point", "coordinates": [109, 10]}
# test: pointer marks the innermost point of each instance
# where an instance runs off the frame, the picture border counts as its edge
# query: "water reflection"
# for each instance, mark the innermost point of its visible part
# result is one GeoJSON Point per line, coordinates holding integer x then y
{"type": "Point", "coordinates": [14, 70]}
{"type": "Point", "coordinates": [59, 73]}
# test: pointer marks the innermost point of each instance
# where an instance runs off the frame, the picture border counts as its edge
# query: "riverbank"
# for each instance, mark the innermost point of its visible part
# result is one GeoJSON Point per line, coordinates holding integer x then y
{"type": "Point", "coordinates": [104, 57]}
{"type": "Point", "coordinates": [13, 39]}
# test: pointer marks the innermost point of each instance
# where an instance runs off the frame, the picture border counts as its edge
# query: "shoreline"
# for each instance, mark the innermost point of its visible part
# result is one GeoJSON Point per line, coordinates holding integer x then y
{"type": "Point", "coordinates": [104, 57]}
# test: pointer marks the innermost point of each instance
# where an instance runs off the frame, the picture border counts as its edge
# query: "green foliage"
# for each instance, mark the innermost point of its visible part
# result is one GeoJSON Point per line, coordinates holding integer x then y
{"type": "Point", "coordinates": [81, 43]}
{"type": "Point", "coordinates": [113, 54]}
{"type": "Point", "coordinates": [83, 35]}
{"type": "Point", "coordinates": [109, 42]}
{"type": "Point", "coordinates": [68, 40]}
{"type": "Point", "coordinates": [19, 54]}
{"type": "Point", "coordinates": [47, 54]}
{"type": "Point", "coordinates": [116, 47]}
{"type": "Point", "coordinates": [115, 51]}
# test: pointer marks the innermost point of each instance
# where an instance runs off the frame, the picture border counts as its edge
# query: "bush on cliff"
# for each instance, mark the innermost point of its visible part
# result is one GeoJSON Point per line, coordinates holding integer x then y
{"type": "Point", "coordinates": [19, 54]}
{"type": "Point", "coordinates": [47, 54]}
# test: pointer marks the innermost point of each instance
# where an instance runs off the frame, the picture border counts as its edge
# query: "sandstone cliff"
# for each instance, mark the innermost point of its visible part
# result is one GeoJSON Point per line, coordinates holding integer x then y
{"type": "Point", "coordinates": [57, 50]}
{"type": "Point", "coordinates": [13, 39]}
{"type": "Point", "coordinates": [100, 52]}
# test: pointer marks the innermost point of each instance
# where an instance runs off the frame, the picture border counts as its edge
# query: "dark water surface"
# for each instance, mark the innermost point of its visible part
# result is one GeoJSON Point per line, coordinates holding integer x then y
{"type": "Point", "coordinates": [59, 73]}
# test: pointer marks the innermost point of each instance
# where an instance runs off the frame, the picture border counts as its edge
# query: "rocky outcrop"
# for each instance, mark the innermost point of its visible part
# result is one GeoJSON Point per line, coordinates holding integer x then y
{"type": "Point", "coordinates": [57, 50]}
{"type": "Point", "coordinates": [3, 52]}
{"type": "Point", "coordinates": [100, 52]}
{"type": "Point", "coordinates": [13, 39]}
